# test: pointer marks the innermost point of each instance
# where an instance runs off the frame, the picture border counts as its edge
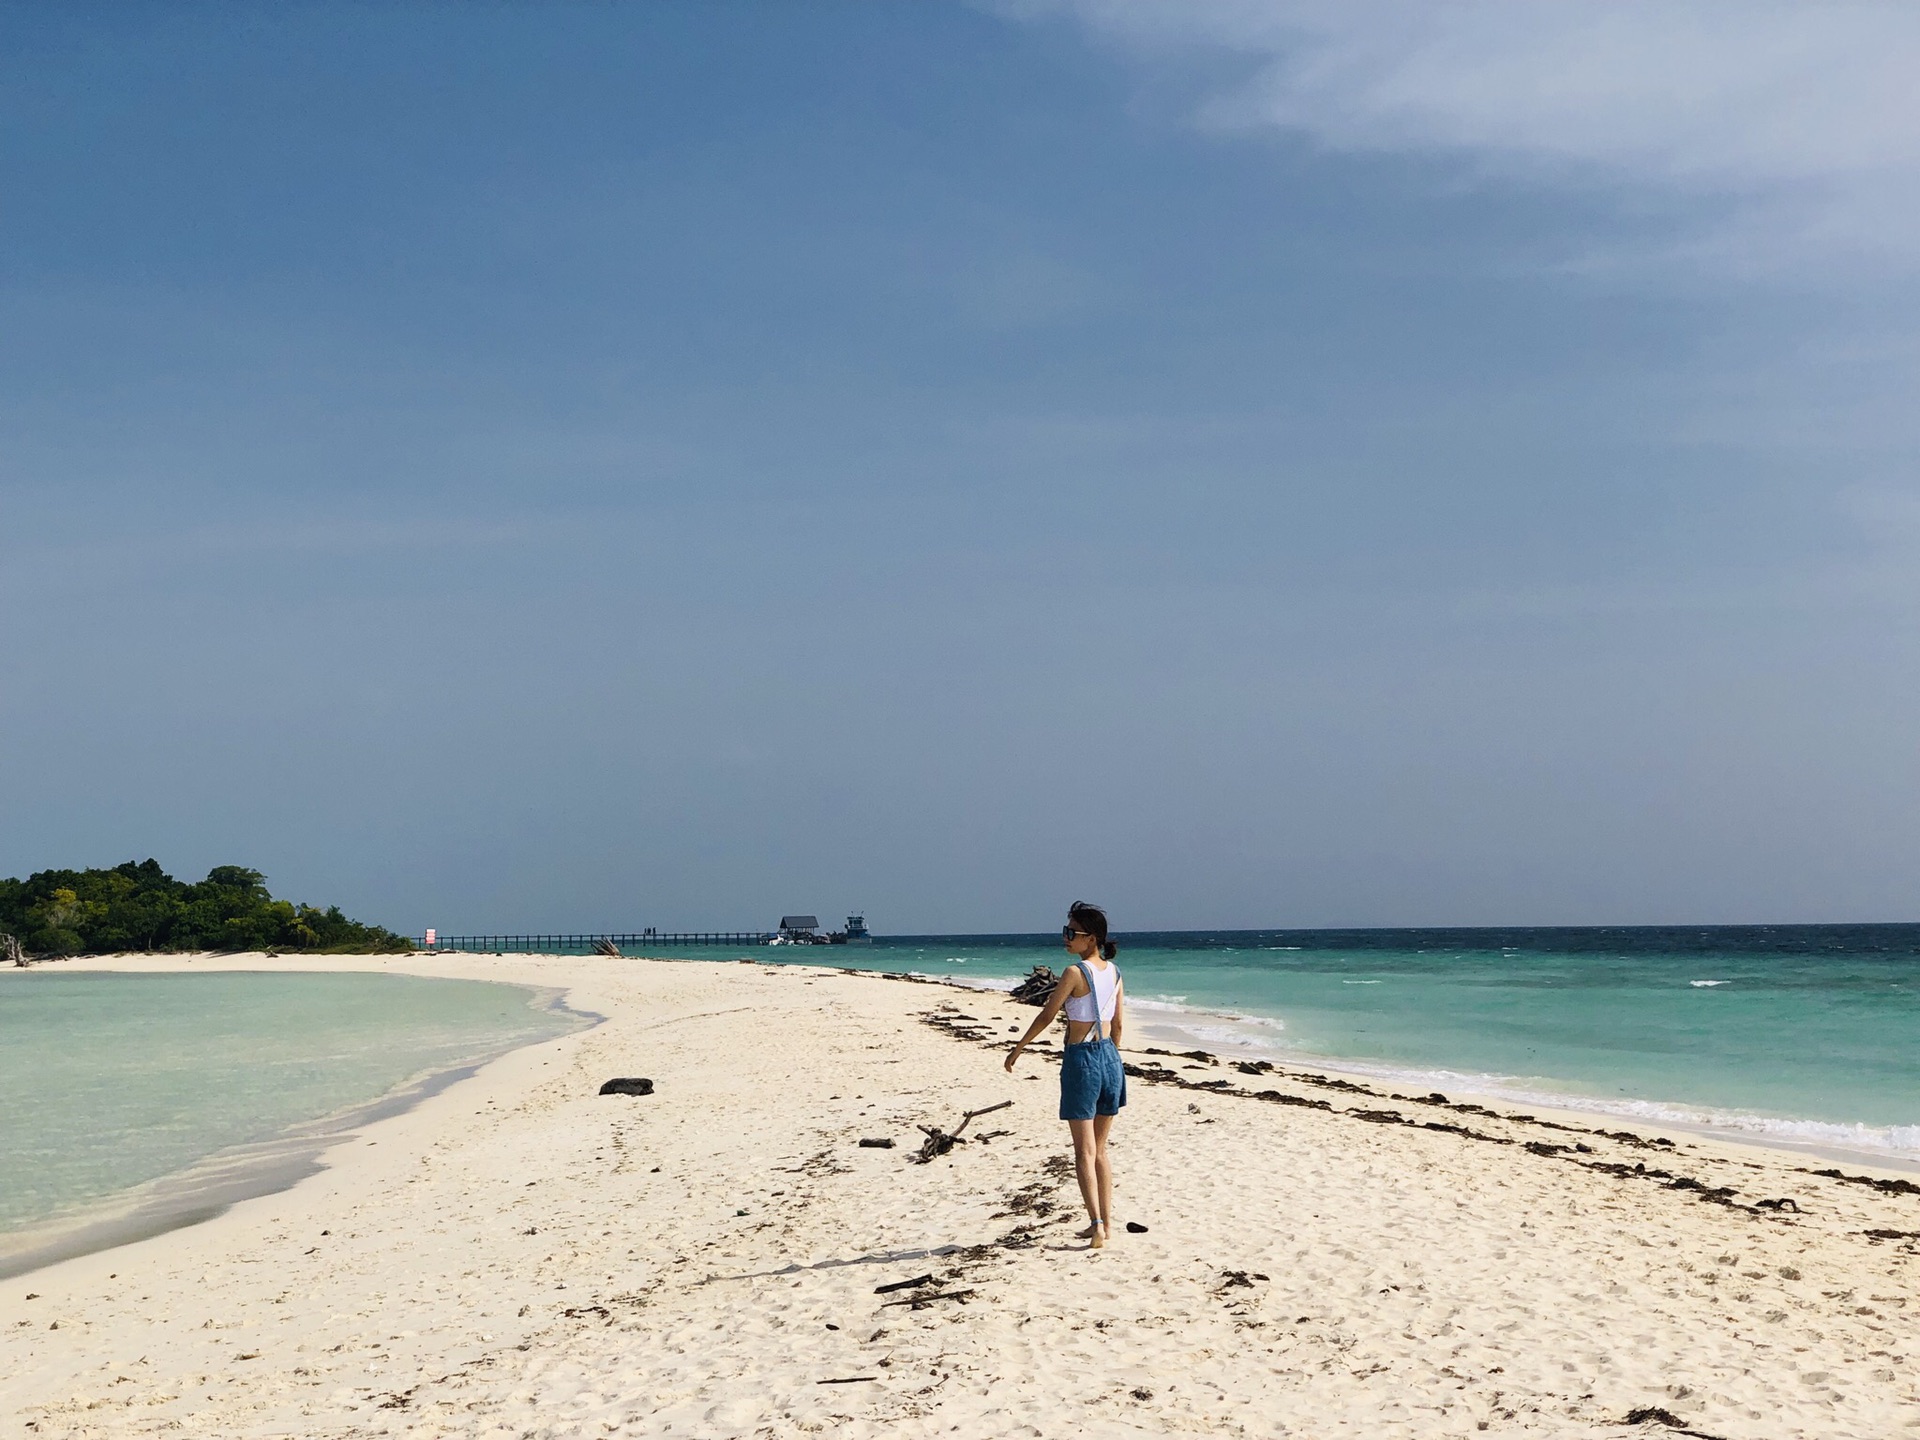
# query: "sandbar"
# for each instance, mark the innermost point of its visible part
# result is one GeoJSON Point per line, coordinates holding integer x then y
{"type": "Point", "coordinates": [517, 1255]}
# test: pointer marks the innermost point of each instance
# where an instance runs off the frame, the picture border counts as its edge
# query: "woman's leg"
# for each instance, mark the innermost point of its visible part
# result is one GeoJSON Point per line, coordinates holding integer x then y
{"type": "Point", "coordinates": [1084, 1151]}
{"type": "Point", "coordinates": [1102, 1167]}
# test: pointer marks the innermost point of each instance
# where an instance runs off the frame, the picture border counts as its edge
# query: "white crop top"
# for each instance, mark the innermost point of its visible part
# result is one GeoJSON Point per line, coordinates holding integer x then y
{"type": "Point", "coordinates": [1106, 981]}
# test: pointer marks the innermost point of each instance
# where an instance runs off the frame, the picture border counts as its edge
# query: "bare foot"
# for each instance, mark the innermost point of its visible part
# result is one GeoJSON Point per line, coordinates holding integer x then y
{"type": "Point", "coordinates": [1098, 1240]}
{"type": "Point", "coordinates": [1088, 1233]}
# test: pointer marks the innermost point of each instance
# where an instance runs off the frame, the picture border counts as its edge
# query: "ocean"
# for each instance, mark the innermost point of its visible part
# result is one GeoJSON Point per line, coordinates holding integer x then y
{"type": "Point", "coordinates": [130, 1104]}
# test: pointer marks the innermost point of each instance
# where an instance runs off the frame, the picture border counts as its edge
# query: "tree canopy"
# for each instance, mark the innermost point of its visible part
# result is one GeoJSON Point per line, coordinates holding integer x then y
{"type": "Point", "coordinates": [138, 906]}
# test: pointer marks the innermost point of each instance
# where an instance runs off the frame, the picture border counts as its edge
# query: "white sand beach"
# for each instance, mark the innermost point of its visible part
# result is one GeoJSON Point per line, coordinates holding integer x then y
{"type": "Point", "coordinates": [519, 1256]}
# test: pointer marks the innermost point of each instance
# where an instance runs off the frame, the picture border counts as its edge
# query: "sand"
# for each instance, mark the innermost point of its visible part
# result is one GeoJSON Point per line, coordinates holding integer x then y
{"type": "Point", "coordinates": [518, 1256]}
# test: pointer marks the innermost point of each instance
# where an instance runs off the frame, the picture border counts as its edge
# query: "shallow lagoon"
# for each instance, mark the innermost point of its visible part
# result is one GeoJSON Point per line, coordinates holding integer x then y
{"type": "Point", "coordinates": [111, 1082]}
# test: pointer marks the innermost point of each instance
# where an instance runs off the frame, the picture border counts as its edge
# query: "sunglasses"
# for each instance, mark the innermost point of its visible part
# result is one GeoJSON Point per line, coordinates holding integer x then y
{"type": "Point", "coordinates": [1067, 932]}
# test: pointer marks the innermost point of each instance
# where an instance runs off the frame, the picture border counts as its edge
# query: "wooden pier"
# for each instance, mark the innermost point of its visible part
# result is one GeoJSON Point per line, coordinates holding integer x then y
{"type": "Point", "coordinates": [560, 944]}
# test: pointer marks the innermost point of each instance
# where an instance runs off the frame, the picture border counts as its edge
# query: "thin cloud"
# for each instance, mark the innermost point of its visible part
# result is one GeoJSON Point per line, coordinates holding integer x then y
{"type": "Point", "coordinates": [1797, 122]}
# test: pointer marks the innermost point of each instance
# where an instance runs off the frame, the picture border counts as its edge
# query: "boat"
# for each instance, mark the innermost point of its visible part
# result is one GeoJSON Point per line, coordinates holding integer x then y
{"type": "Point", "coordinates": [856, 932]}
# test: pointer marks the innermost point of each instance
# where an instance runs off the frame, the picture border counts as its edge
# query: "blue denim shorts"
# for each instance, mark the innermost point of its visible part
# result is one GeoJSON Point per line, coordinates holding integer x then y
{"type": "Point", "coordinates": [1091, 1080]}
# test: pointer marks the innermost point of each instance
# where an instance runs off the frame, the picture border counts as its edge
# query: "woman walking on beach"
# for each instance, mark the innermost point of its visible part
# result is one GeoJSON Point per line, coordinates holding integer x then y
{"type": "Point", "coordinates": [1093, 1086]}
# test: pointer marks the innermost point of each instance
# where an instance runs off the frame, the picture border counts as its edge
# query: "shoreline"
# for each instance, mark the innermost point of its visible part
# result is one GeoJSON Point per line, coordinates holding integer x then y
{"type": "Point", "coordinates": [1168, 1019]}
{"type": "Point", "coordinates": [216, 1182]}
{"type": "Point", "coordinates": [516, 1255]}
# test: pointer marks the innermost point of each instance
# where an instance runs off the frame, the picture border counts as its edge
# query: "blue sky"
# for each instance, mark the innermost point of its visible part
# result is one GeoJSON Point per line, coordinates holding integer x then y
{"type": "Point", "coordinates": [1249, 464]}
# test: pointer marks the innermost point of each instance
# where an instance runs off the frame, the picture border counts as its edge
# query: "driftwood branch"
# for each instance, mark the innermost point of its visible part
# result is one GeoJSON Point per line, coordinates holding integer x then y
{"type": "Point", "coordinates": [903, 1285]}
{"type": "Point", "coordinates": [11, 952]}
{"type": "Point", "coordinates": [1037, 988]}
{"type": "Point", "coordinates": [918, 1300]}
{"type": "Point", "coordinates": [939, 1142]}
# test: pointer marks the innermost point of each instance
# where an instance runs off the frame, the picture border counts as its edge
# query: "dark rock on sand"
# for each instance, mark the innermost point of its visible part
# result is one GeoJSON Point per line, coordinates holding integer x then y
{"type": "Point", "coordinates": [627, 1085]}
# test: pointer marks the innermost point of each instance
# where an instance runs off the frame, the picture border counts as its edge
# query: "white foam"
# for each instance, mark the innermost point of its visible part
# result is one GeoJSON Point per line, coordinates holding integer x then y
{"type": "Point", "coordinates": [1244, 1033]}
{"type": "Point", "coordinates": [1257, 1033]}
{"type": "Point", "coordinates": [1359, 982]}
{"type": "Point", "coordinates": [1706, 984]}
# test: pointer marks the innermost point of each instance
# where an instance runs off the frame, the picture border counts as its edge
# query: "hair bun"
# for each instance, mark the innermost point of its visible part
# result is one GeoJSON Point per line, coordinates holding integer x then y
{"type": "Point", "coordinates": [1109, 950]}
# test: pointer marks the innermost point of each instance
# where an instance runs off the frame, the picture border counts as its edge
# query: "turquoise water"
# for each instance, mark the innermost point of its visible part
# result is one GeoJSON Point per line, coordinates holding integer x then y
{"type": "Point", "coordinates": [1807, 1034]}
{"type": "Point", "coordinates": [110, 1081]}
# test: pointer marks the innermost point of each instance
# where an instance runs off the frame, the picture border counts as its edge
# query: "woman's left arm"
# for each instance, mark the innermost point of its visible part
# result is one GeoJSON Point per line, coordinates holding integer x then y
{"type": "Point", "coordinates": [1119, 1010]}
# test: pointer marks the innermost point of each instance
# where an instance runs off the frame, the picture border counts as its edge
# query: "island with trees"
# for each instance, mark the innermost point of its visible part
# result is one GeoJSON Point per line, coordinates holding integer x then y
{"type": "Point", "coordinates": [139, 907]}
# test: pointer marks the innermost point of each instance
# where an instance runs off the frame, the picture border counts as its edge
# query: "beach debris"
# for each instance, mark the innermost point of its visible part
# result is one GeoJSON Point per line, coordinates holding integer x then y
{"type": "Point", "coordinates": [846, 1380]}
{"type": "Point", "coordinates": [1134, 1227]}
{"type": "Point", "coordinates": [1140, 1392]}
{"type": "Point", "coordinates": [1891, 1234]}
{"type": "Point", "coordinates": [1328, 1083]}
{"type": "Point", "coordinates": [1037, 987]}
{"type": "Point", "coordinates": [1573, 1152]}
{"type": "Point", "coordinates": [627, 1085]}
{"type": "Point", "coordinates": [883, 1142]}
{"type": "Point", "coordinates": [1656, 1415]}
{"type": "Point", "coordinates": [916, 1301]}
{"type": "Point", "coordinates": [914, 1283]}
{"type": "Point", "coordinates": [1460, 1130]}
{"type": "Point", "coordinates": [10, 950]}
{"type": "Point", "coordinates": [1889, 1187]}
{"type": "Point", "coordinates": [607, 948]}
{"type": "Point", "coordinates": [1037, 1199]}
{"type": "Point", "coordinates": [1716, 1195]}
{"type": "Point", "coordinates": [957, 1024]}
{"type": "Point", "coordinates": [1627, 1137]}
{"type": "Point", "coordinates": [939, 1142]}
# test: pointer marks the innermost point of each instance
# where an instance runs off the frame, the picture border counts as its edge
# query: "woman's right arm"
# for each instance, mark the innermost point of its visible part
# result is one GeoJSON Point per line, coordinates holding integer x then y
{"type": "Point", "coordinates": [1055, 1001]}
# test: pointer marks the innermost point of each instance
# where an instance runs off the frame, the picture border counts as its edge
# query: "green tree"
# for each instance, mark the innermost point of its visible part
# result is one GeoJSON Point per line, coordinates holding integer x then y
{"type": "Point", "coordinates": [138, 906]}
